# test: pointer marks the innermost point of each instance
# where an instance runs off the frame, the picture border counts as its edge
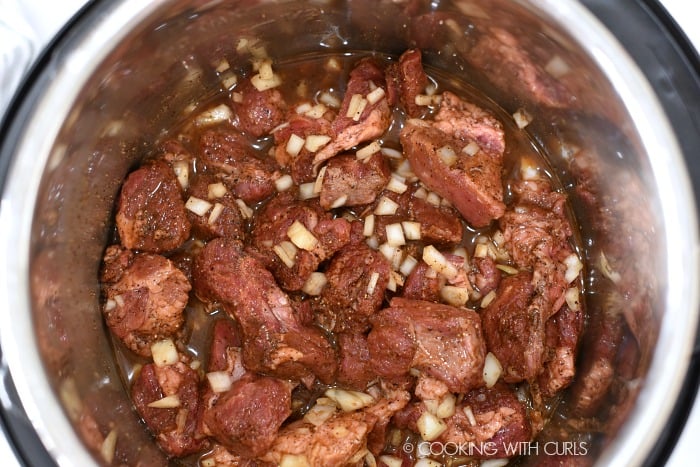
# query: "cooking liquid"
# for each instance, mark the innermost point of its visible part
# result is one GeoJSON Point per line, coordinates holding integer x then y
{"type": "Point", "coordinates": [306, 79]}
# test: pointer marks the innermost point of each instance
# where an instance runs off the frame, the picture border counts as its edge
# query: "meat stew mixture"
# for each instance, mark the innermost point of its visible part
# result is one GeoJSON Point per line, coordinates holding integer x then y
{"type": "Point", "coordinates": [338, 259]}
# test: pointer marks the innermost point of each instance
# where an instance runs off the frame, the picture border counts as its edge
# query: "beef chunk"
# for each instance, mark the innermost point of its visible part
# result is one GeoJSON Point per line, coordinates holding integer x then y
{"type": "Point", "coordinates": [408, 79]}
{"type": "Point", "coordinates": [514, 328]}
{"type": "Point", "coordinates": [423, 284]}
{"type": "Point", "coordinates": [484, 275]}
{"type": "Point", "coordinates": [246, 418]}
{"type": "Point", "coordinates": [355, 182]}
{"type": "Point", "coordinates": [471, 183]}
{"type": "Point", "coordinates": [439, 340]}
{"type": "Point", "coordinates": [348, 130]}
{"type": "Point", "coordinates": [270, 229]}
{"type": "Point", "coordinates": [258, 112]}
{"type": "Point", "coordinates": [146, 300]}
{"type": "Point", "coordinates": [224, 219]}
{"type": "Point", "coordinates": [174, 428]}
{"type": "Point", "coordinates": [224, 351]}
{"type": "Point", "coordinates": [150, 211]}
{"type": "Point", "coordinates": [301, 165]}
{"type": "Point", "coordinates": [275, 342]}
{"type": "Point", "coordinates": [354, 366]}
{"type": "Point", "coordinates": [562, 334]}
{"type": "Point", "coordinates": [249, 178]}
{"type": "Point", "coordinates": [352, 294]}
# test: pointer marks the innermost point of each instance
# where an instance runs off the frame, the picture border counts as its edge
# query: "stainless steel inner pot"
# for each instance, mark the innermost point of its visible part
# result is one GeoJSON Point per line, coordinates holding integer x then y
{"type": "Point", "coordinates": [128, 68]}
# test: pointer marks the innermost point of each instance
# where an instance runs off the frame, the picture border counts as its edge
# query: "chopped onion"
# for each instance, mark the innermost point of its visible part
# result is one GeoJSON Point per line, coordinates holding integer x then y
{"type": "Point", "coordinates": [494, 462]}
{"type": "Point", "coordinates": [376, 95]}
{"type": "Point", "coordinates": [391, 285]}
{"type": "Point", "coordinates": [286, 251]}
{"type": "Point", "coordinates": [455, 296]}
{"type": "Point", "coordinates": [220, 113]}
{"type": "Point", "coordinates": [237, 97]}
{"type": "Point", "coordinates": [215, 213]}
{"type": "Point", "coordinates": [397, 278]}
{"type": "Point", "coordinates": [229, 80]}
{"type": "Point", "coordinates": [471, 149]}
{"type": "Point", "coordinates": [222, 66]}
{"type": "Point", "coordinates": [430, 427]}
{"type": "Point", "coordinates": [391, 153]}
{"type": "Point", "coordinates": [349, 401]}
{"type": "Point", "coordinates": [404, 169]}
{"type": "Point", "coordinates": [198, 206]}
{"type": "Point", "coordinates": [339, 202]}
{"type": "Point", "coordinates": [486, 301]}
{"type": "Point", "coordinates": [438, 262]}
{"type": "Point", "coordinates": [307, 191]}
{"type": "Point", "coordinates": [263, 84]}
{"type": "Point", "coordinates": [318, 183]}
{"type": "Point", "coordinates": [332, 64]}
{"type": "Point", "coordinates": [573, 267]}
{"type": "Point", "coordinates": [216, 190]}
{"type": "Point", "coordinates": [470, 415]}
{"type": "Point", "coordinates": [434, 199]}
{"type": "Point", "coordinates": [528, 169]}
{"type": "Point", "coordinates": [425, 100]}
{"type": "Point", "coordinates": [356, 107]}
{"type": "Point", "coordinates": [220, 381]}
{"type": "Point", "coordinates": [329, 99]}
{"type": "Point", "coordinates": [447, 155]}
{"type": "Point", "coordinates": [108, 446]}
{"type": "Point", "coordinates": [447, 405]}
{"type": "Point", "coordinates": [368, 229]}
{"type": "Point", "coordinates": [391, 461]}
{"type": "Point", "coordinates": [557, 67]}
{"type": "Point", "coordinates": [492, 370]}
{"type": "Point", "coordinates": [522, 118]}
{"type": "Point", "coordinates": [168, 402]}
{"type": "Point", "coordinates": [373, 242]}
{"type": "Point", "coordinates": [396, 185]}
{"type": "Point", "coordinates": [607, 270]}
{"type": "Point", "coordinates": [315, 283]}
{"type": "Point", "coordinates": [284, 183]}
{"type": "Point", "coordinates": [407, 265]}
{"type": "Point", "coordinates": [182, 172]}
{"type": "Point", "coordinates": [294, 460]}
{"type": "Point", "coordinates": [431, 405]}
{"type": "Point", "coordinates": [316, 142]}
{"type": "Point", "coordinates": [372, 284]}
{"type": "Point", "coordinates": [317, 111]}
{"type": "Point", "coordinates": [367, 151]}
{"type": "Point", "coordinates": [320, 412]}
{"type": "Point", "coordinates": [303, 108]}
{"type": "Point", "coordinates": [507, 269]}
{"type": "Point", "coordinates": [294, 145]}
{"type": "Point", "coordinates": [421, 193]}
{"type": "Point", "coordinates": [208, 462]}
{"type": "Point", "coordinates": [394, 235]}
{"type": "Point", "coordinates": [164, 353]}
{"type": "Point", "coordinates": [572, 297]}
{"type": "Point", "coordinates": [246, 212]}
{"type": "Point", "coordinates": [481, 250]}
{"type": "Point", "coordinates": [386, 207]}
{"type": "Point", "coordinates": [301, 236]}
{"type": "Point", "coordinates": [392, 253]}
{"type": "Point", "coordinates": [411, 229]}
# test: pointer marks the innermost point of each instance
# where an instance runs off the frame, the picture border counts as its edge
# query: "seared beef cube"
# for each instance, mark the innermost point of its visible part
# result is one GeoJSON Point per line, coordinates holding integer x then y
{"type": "Point", "coordinates": [357, 278]}
{"type": "Point", "coordinates": [224, 351]}
{"type": "Point", "coordinates": [150, 211]}
{"type": "Point", "coordinates": [368, 120]}
{"type": "Point", "coordinates": [408, 79]}
{"type": "Point", "coordinates": [441, 341]}
{"type": "Point", "coordinates": [423, 283]}
{"type": "Point", "coordinates": [174, 423]}
{"type": "Point", "coordinates": [354, 366]}
{"type": "Point", "coordinates": [146, 301]}
{"type": "Point", "coordinates": [258, 112]}
{"type": "Point", "coordinates": [249, 178]}
{"type": "Point", "coordinates": [224, 218]}
{"type": "Point", "coordinates": [312, 131]}
{"type": "Point", "coordinates": [349, 181]}
{"type": "Point", "coordinates": [270, 230]}
{"type": "Point", "coordinates": [514, 328]}
{"type": "Point", "coordinates": [562, 334]}
{"type": "Point", "coordinates": [246, 418]}
{"type": "Point", "coordinates": [484, 274]}
{"type": "Point", "coordinates": [275, 342]}
{"type": "Point", "coordinates": [471, 183]}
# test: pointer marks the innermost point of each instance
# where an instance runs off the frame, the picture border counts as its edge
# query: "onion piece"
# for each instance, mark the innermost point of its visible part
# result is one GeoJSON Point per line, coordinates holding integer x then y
{"type": "Point", "coordinates": [455, 296]}
{"type": "Point", "coordinates": [284, 183]}
{"type": "Point", "coordinates": [494, 462]}
{"type": "Point", "coordinates": [394, 235]}
{"type": "Point", "coordinates": [164, 353]}
{"type": "Point", "coordinates": [430, 427]}
{"type": "Point", "coordinates": [391, 461]}
{"type": "Point", "coordinates": [486, 301]}
{"type": "Point", "coordinates": [439, 263]}
{"type": "Point", "coordinates": [470, 415]}
{"type": "Point", "coordinates": [522, 118]}
{"type": "Point", "coordinates": [318, 183]}
{"type": "Point", "coordinates": [396, 185]}
{"type": "Point", "coordinates": [372, 284]}
{"type": "Point", "coordinates": [329, 99]}
{"type": "Point", "coordinates": [507, 269]}
{"type": "Point", "coordinates": [108, 446]}
{"type": "Point", "coordinates": [447, 406]}
{"type": "Point", "coordinates": [316, 142]}
{"type": "Point", "coordinates": [246, 212]}
{"type": "Point", "coordinates": [317, 111]}
{"type": "Point", "coordinates": [557, 67]}
{"type": "Point", "coordinates": [573, 267]}
{"type": "Point", "coordinates": [322, 410]}
{"type": "Point", "coordinates": [368, 229]}
{"type": "Point", "coordinates": [471, 149]}
{"type": "Point", "coordinates": [167, 402]}
{"type": "Point", "coordinates": [411, 229]}
{"type": "Point", "coordinates": [197, 205]}
{"type": "Point", "coordinates": [447, 155]}
{"type": "Point", "coordinates": [392, 253]}
{"type": "Point", "coordinates": [218, 114]}
{"type": "Point", "coordinates": [434, 199]}
{"type": "Point", "coordinates": [376, 95]}
{"type": "Point", "coordinates": [407, 265]}
{"type": "Point", "coordinates": [492, 370]}
{"type": "Point", "coordinates": [391, 153]}
{"type": "Point", "coordinates": [348, 400]}
{"type": "Point", "coordinates": [182, 172]}
{"type": "Point", "coordinates": [307, 191]}
{"type": "Point", "coordinates": [340, 202]}
{"type": "Point", "coordinates": [215, 213]}
{"type": "Point", "coordinates": [301, 236]}
{"type": "Point", "coordinates": [367, 151]}
{"type": "Point", "coordinates": [386, 207]}
{"type": "Point", "coordinates": [216, 190]}
{"type": "Point", "coordinates": [295, 144]}
{"type": "Point", "coordinates": [294, 460]}
{"type": "Point", "coordinates": [315, 283]}
{"type": "Point", "coordinates": [283, 254]}
{"type": "Point", "coordinates": [219, 381]}
{"type": "Point", "coordinates": [572, 297]}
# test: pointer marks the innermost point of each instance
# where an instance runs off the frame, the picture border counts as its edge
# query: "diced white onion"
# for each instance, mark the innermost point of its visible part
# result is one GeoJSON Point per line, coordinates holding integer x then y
{"type": "Point", "coordinates": [434, 199]}
{"type": "Point", "coordinates": [216, 190]}
{"type": "Point", "coordinates": [329, 99]}
{"type": "Point", "coordinates": [306, 191]}
{"type": "Point", "coordinates": [391, 461]}
{"type": "Point", "coordinates": [301, 236]}
{"type": "Point", "coordinates": [507, 269]}
{"type": "Point", "coordinates": [376, 95]}
{"type": "Point", "coordinates": [573, 267]}
{"type": "Point", "coordinates": [198, 206]}
{"type": "Point", "coordinates": [607, 269]}
{"type": "Point", "coordinates": [356, 107]}
{"type": "Point", "coordinates": [492, 370]}
{"type": "Point", "coordinates": [108, 446]}
{"type": "Point", "coordinates": [392, 253]}
{"type": "Point", "coordinates": [447, 155]}
{"type": "Point", "coordinates": [339, 202]}
{"type": "Point", "coordinates": [407, 265]}
{"type": "Point", "coordinates": [396, 277]}
{"type": "Point", "coordinates": [411, 229]}
{"type": "Point", "coordinates": [431, 405]}
{"type": "Point", "coordinates": [522, 118]}
{"type": "Point", "coordinates": [368, 229]}
{"type": "Point", "coordinates": [349, 401]}
{"type": "Point", "coordinates": [286, 251]}
{"type": "Point", "coordinates": [182, 172]}
{"type": "Point", "coordinates": [557, 67]}
{"type": "Point", "coordinates": [386, 207]}
{"type": "Point", "coordinates": [447, 405]}
{"type": "Point", "coordinates": [426, 100]}
{"type": "Point", "coordinates": [573, 299]}
{"type": "Point", "coordinates": [246, 212]}
{"type": "Point", "coordinates": [471, 149]}
{"type": "Point", "coordinates": [168, 402]}
{"type": "Point", "coordinates": [481, 250]}
{"type": "Point", "coordinates": [316, 142]}
{"type": "Point", "coordinates": [367, 151]}
{"type": "Point", "coordinates": [332, 64]}
{"type": "Point", "coordinates": [455, 296]}
{"type": "Point", "coordinates": [263, 84]}
{"type": "Point", "coordinates": [284, 183]}
{"type": "Point", "coordinates": [320, 412]}
{"type": "Point", "coordinates": [420, 193]}
{"type": "Point", "coordinates": [237, 97]}
{"type": "Point", "coordinates": [391, 153]}
{"type": "Point", "coordinates": [494, 462]}
{"type": "Point", "coordinates": [295, 144]}
{"type": "Point", "coordinates": [430, 427]}
{"type": "Point", "coordinates": [164, 353]}
{"type": "Point", "coordinates": [294, 460]}
{"type": "Point", "coordinates": [396, 185]}
{"type": "Point", "coordinates": [486, 301]}
{"type": "Point", "coordinates": [220, 381]}
{"type": "Point", "coordinates": [318, 183]}
{"type": "Point", "coordinates": [303, 108]}
{"type": "Point", "coordinates": [394, 235]}
{"type": "Point", "coordinates": [528, 169]}
{"type": "Point", "coordinates": [220, 113]}
{"type": "Point", "coordinates": [372, 284]}
{"type": "Point", "coordinates": [229, 80]}
{"type": "Point", "coordinates": [315, 283]}
{"type": "Point", "coordinates": [373, 242]}
{"type": "Point", "coordinates": [215, 213]}
{"type": "Point", "coordinates": [470, 415]}
{"type": "Point", "coordinates": [404, 169]}
{"type": "Point", "coordinates": [438, 262]}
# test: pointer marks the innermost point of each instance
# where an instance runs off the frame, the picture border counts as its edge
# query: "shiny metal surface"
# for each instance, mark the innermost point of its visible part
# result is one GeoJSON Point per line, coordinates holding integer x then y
{"type": "Point", "coordinates": [122, 76]}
